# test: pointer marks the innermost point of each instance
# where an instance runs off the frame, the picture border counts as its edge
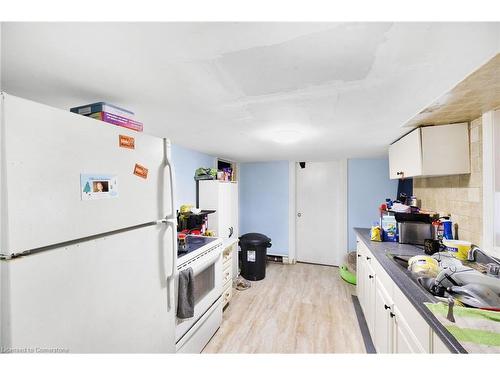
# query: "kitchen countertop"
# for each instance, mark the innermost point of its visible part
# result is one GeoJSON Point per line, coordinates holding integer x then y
{"type": "Point", "coordinates": [415, 294]}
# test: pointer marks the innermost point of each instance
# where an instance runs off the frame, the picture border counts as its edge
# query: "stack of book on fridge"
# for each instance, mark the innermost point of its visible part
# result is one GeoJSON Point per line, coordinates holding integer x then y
{"type": "Point", "coordinates": [111, 114]}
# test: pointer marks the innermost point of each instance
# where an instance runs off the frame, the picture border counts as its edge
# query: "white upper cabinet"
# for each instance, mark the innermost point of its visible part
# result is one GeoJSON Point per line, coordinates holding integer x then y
{"type": "Point", "coordinates": [431, 151]}
{"type": "Point", "coordinates": [223, 198]}
{"type": "Point", "coordinates": [405, 156]}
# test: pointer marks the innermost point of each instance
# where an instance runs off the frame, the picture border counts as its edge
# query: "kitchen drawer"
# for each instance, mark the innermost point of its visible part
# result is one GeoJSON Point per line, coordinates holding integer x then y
{"type": "Point", "coordinates": [227, 265]}
{"type": "Point", "coordinates": [227, 256]}
{"type": "Point", "coordinates": [361, 247]}
{"type": "Point", "coordinates": [227, 275]}
{"type": "Point", "coordinates": [227, 294]}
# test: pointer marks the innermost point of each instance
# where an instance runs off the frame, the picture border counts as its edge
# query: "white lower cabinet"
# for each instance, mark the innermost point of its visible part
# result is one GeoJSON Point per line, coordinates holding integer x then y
{"type": "Point", "coordinates": [383, 315]}
{"type": "Point", "coordinates": [404, 339]}
{"type": "Point", "coordinates": [370, 297]}
{"type": "Point", "coordinates": [438, 346]}
{"type": "Point", "coordinates": [360, 280]}
{"type": "Point", "coordinates": [394, 324]}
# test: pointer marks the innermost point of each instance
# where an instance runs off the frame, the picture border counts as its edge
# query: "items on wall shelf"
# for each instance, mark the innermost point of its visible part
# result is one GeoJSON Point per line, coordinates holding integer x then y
{"type": "Point", "coordinates": [111, 114]}
{"type": "Point", "coordinates": [204, 174]}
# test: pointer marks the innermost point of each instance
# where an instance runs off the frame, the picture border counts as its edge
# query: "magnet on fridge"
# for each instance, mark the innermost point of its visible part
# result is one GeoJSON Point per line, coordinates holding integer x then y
{"type": "Point", "coordinates": [98, 186]}
{"type": "Point", "coordinates": [141, 171]}
{"type": "Point", "coordinates": [127, 142]}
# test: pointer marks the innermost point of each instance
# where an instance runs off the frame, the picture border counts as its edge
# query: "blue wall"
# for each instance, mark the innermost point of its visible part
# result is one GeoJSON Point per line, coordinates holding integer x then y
{"type": "Point", "coordinates": [263, 199]}
{"type": "Point", "coordinates": [368, 185]}
{"type": "Point", "coordinates": [264, 193]}
{"type": "Point", "coordinates": [186, 161]}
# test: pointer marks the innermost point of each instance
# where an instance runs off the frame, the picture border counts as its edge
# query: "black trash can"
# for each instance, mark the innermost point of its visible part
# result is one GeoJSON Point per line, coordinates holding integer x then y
{"type": "Point", "coordinates": [253, 255]}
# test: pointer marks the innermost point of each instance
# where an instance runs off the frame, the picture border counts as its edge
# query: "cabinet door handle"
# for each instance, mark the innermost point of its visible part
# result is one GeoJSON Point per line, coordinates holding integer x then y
{"type": "Point", "coordinates": [359, 255]}
{"type": "Point", "coordinates": [386, 307]}
{"type": "Point", "coordinates": [370, 276]}
{"type": "Point", "coordinates": [392, 314]}
{"type": "Point", "coordinates": [368, 258]}
{"type": "Point", "coordinates": [230, 232]}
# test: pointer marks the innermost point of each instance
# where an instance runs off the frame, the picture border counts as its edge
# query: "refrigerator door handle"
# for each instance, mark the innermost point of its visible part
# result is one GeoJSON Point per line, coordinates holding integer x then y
{"type": "Point", "coordinates": [171, 276]}
{"type": "Point", "coordinates": [166, 145]}
{"type": "Point", "coordinates": [170, 220]}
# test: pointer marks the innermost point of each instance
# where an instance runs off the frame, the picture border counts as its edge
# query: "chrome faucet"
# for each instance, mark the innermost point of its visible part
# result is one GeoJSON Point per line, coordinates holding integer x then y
{"type": "Point", "coordinates": [471, 255]}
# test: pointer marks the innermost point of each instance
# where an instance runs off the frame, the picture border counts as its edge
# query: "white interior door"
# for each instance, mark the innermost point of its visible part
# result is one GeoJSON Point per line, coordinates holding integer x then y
{"type": "Point", "coordinates": [321, 217]}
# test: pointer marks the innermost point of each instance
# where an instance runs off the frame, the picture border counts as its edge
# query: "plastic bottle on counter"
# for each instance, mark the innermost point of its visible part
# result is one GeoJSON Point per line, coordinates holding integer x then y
{"type": "Point", "coordinates": [388, 202]}
{"type": "Point", "coordinates": [448, 229]}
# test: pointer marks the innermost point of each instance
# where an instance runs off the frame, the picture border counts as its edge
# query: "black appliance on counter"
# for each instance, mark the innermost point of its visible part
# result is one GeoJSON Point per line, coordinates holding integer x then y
{"type": "Point", "coordinates": [190, 221]}
{"type": "Point", "coordinates": [415, 228]}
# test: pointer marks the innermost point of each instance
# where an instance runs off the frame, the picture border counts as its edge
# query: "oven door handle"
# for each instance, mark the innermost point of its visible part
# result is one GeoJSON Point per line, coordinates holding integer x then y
{"type": "Point", "coordinates": [207, 262]}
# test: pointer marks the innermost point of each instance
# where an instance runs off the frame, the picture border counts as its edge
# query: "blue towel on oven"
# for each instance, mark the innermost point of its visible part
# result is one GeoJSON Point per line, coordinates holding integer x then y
{"type": "Point", "coordinates": [185, 297]}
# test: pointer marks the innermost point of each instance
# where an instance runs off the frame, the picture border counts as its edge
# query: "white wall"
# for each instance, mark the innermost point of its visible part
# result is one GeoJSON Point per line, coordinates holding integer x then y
{"type": "Point", "coordinates": [186, 161]}
{"type": "Point", "coordinates": [367, 187]}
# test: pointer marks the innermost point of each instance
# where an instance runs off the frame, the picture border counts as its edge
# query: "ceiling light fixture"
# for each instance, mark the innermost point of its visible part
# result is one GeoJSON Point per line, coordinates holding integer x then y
{"type": "Point", "coordinates": [286, 136]}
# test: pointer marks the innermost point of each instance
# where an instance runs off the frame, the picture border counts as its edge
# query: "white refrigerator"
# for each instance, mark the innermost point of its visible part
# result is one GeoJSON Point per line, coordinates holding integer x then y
{"type": "Point", "coordinates": [88, 235]}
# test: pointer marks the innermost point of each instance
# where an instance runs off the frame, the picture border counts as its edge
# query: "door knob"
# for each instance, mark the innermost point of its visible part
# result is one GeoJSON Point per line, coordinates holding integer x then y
{"type": "Point", "coordinates": [299, 214]}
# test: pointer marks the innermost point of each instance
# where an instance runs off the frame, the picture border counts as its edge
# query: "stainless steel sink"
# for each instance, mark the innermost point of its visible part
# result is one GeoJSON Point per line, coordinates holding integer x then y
{"type": "Point", "coordinates": [400, 259]}
{"type": "Point", "coordinates": [440, 289]}
{"type": "Point", "coordinates": [424, 283]}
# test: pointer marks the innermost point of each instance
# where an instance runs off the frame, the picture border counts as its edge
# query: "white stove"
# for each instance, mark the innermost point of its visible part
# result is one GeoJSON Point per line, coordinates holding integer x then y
{"type": "Point", "coordinates": [204, 256]}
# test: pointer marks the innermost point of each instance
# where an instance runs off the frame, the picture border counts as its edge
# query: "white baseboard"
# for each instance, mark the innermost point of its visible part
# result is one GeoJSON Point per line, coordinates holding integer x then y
{"type": "Point", "coordinates": [287, 260]}
{"type": "Point", "coordinates": [284, 258]}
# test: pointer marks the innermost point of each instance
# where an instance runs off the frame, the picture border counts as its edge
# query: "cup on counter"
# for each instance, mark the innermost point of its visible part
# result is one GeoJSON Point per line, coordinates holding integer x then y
{"type": "Point", "coordinates": [459, 249]}
{"type": "Point", "coordinates": [431, 246]}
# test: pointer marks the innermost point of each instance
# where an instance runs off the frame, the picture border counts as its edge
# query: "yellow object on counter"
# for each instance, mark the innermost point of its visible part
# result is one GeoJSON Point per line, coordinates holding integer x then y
{"type": "Point", "coordinates": [459, 249]}
{"type": "Point", "coordinates": [376, 234]}
{"type": "Point", "coordinates": [209, 233]}
{"type": "Point", "coordinates": [424, 264]}
{"type": "Point", "coordinates": [185, 208]}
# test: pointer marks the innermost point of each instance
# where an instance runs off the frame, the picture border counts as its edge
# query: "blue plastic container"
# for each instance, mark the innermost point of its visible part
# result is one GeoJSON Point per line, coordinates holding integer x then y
{"type": "Point", "coordinates": [448, 229]}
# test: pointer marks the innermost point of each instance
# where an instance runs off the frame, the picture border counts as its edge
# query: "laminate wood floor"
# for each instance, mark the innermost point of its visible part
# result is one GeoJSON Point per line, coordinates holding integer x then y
{"type": "Point", "coordinates": [301, 308]}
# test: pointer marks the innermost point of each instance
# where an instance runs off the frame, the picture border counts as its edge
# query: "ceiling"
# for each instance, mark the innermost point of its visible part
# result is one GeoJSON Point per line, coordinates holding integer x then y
{"type": "Point", "coordinates": [475, 95]}
{"type": "Point", "coordinates": [251, 91]}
